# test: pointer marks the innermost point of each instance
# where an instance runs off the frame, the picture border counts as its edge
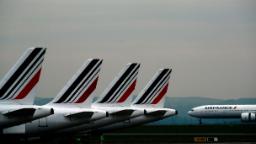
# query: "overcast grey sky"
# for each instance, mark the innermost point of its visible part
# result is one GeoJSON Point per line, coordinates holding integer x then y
{"type": "Point", "coordinates": [210, 44]}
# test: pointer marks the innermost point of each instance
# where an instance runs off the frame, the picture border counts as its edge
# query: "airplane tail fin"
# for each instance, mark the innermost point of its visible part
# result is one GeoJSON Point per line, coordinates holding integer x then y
{"type": "Point", "coordinates": [79, 89]}
{"type": "Point", "coordinates": [154, 92]}
{"type": "Point", "coordinates": [19, 84]}
{"type": "Point", "coordinates": [119, 90]}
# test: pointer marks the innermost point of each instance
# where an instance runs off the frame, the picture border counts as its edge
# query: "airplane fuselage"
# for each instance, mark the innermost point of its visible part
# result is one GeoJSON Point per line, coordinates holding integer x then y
{"type": "Point", "coordinates": [222, 111]}
{"type": "Point", "coordinates": [142, 119]}
{"type": "Point", "coordinates": [110, 119]}
{"type": "Point", "coordinates": [14, 114]}
{"type": "Point", "coordinates": [59, 120]}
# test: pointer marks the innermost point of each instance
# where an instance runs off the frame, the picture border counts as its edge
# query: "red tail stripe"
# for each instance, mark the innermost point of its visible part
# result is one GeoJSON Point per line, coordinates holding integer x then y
{"type": "Point", "coordinates": [88, 92]}
{"type": "Point", "coordinates": [127, 92]}
{"type": "Point", "coordinates": [29, 86]}
{"type": "Point", "coordinates": [161, 94]}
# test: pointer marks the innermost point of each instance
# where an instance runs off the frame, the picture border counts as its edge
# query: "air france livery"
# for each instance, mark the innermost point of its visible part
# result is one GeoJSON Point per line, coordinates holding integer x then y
{"type": "Point", "coordinates": [245, 112]}
{"type": "Point", "coordinates": [150, 100]}
{"type": "Point", "coordinates": [115, 100]}
{"type": "Point", "coordinates": [18, 90]}
{"type": "Point", "coordinates": [71, 105]}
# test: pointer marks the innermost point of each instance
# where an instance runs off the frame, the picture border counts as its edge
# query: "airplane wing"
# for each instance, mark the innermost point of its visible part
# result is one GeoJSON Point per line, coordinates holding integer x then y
{"type": "Point", "coordinates": [20, 112]}
{"type": "Point", "coordinates": [80, 115]}
{"type": "Point", "coordinates": [122, 112]}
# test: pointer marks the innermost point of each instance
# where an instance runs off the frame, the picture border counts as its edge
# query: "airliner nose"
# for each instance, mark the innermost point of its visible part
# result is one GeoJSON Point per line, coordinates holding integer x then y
{"type": "Point", "coordinates": [190, 113]}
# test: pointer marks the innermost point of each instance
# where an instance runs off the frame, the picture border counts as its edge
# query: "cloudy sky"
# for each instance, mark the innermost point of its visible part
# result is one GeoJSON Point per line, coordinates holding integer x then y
{"type": "Point", "coordinates": [210, 44]}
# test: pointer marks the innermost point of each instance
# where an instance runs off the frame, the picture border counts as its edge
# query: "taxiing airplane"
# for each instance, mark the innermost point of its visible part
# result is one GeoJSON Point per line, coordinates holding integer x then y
{"type": "Point", "coordinates": [17, 90]}
{"type": "Point", "coordinates": [245, 112]}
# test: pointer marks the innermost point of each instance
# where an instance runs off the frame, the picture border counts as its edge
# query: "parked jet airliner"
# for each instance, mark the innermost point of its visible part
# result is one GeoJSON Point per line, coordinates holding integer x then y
{"type": "Point", "coordinates": [151, 100]}
{"type": "Point", "coordinates": [17, 90]}
{"type": "Point", "coordinates": [71, 105]}
{"type": "Point", "coordinates": [245, 112]}
{"type": "Point", "coordinates": [115, 100]}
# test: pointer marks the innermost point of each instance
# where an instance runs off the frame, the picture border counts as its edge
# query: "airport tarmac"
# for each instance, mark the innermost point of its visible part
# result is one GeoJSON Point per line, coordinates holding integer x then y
{"type": "Point", "coordinates": [139, 138]}
{"type": "Point", "coordinates": [154, 138]}
{"type": "Point", "coordinates": [245, 134]}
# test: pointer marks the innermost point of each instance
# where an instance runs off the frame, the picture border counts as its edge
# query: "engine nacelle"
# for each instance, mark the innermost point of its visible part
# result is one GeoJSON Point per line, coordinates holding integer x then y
{"type": "Point", "coordinates": [248, 117]}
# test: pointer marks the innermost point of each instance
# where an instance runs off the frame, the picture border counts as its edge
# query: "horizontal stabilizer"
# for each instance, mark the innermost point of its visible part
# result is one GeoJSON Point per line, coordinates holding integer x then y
{"type": "Point", "coordinates": [80, 115]}
{"type": "Point", "coordinates": [155, 112]}
{"type": "Point", "coordinates": [20, 112]}
{"type": "Point", "coordinates": [123, 112]}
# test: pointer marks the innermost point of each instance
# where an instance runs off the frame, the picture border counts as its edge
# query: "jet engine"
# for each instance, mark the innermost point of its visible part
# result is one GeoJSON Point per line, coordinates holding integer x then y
{"type": "Point", "coordinates": [248, 117]}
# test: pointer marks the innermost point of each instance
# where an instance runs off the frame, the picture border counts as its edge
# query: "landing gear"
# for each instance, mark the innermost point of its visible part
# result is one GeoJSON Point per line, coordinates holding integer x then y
{"type": "Point", "coordinates": [200, 121]}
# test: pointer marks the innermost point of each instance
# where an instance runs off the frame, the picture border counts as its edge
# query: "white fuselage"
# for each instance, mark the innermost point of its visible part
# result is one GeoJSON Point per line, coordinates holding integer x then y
{"type": "Point", "coordinates": [142, 119]}
{"type": "Point", "coordinates": [59, 120]}
{"type": "Point", "coordinates": [110, 119]}
{"type": "Point", "coordinates": [221, 111]}
{"type": "Point", "coordinates": [8, 121]}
